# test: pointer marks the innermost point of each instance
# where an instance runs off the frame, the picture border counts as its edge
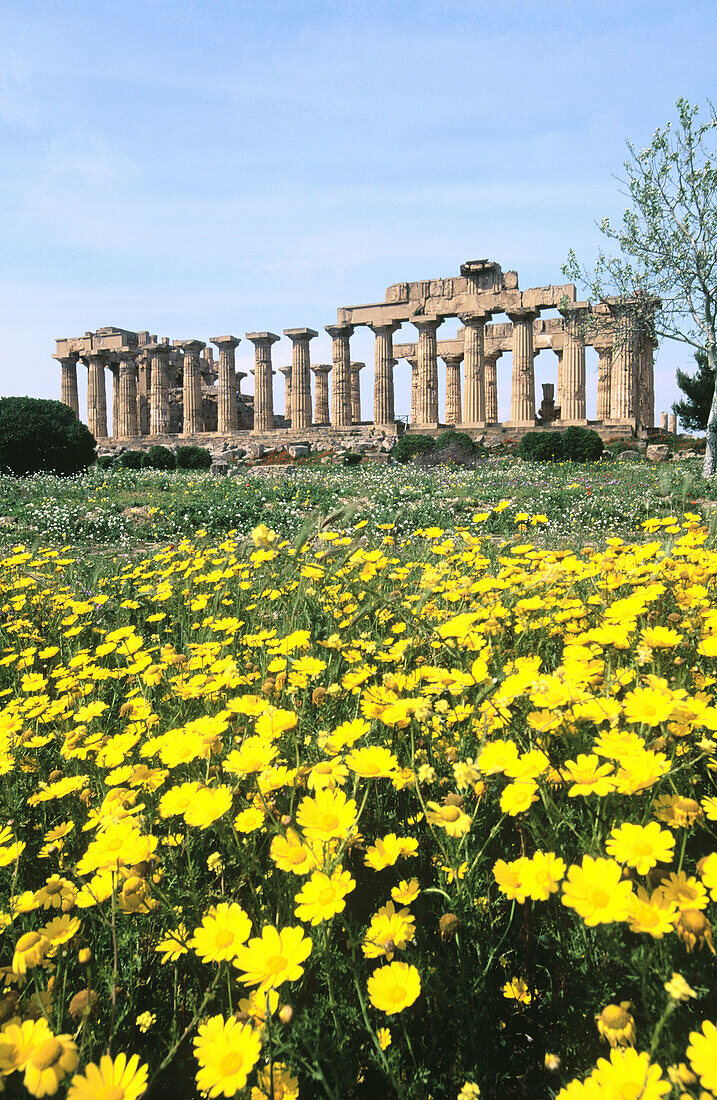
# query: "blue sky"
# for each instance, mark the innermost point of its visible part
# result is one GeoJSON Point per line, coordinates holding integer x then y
{"type": "Point", "coordinates": [198, 168]}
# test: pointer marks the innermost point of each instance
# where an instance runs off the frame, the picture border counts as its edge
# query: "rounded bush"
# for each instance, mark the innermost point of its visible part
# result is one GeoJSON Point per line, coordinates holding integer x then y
{"type": "Point", "coordinates": [132, 460]}
{"type": "Point", "coordinates": [411, 445]}
{"type": "Point", "coordinates": [453, 438]}
{"type": "Point", "coordinates": [193, 458]}
{"type": "Point", "coordinates": [105, 462]}
{"type": "Point", "coordinates": [160, 458]}
{"type": "Point", "coordinates": [582, 444]}
{"type": "Point", "coordinates": [41, 436]}
{"type": "Point", "coordinates": [541, 446]}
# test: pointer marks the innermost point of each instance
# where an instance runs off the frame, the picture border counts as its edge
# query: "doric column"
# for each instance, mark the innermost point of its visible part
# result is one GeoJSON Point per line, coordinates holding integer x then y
{"type": "Point", "coordinates": [356, 369]}
{"type": "Point", "coordinates": [663, 422]}
{"type": "Point", "coordinates": [453, 387]}
{"type": "Point", "coordinates": [321, 392]}
{"type": "Point", "coordinates": [557, 344]}
{"type": "Point", "coordinates": [603, 347]}
{"type": "Point", "coordinates": [341, 374]}
{"type": "Point", "coordinates": [286, 371]}
{"type": "Point", "coordinates": [625, 364]}
{"type": "Point", "coordinates": [384, 412]}
{"type": "Point", "coordinates": [522, 398]}
{"type": "Point", "coordinates": [672, 423]}
{"type": "Point", "coordinates": [572, 397]}
{"type": "Point", "coordinates": [646, 382]}
{"type": "Point", "coordinates": [159, 389]}
{"type": "Point", "coordinates": [143, 389]}
{"type": "Point", "coordinates": [300, 376]}
{"type": "Point", "coordinates": [413, 364]}
{"type": "Point", "coordinates": [263, 386]}
{"type": "Point", "coordinates": [226, 383]}
{"type": "Point", "coordinates": [127, 397]}
{"type": "Point", "coordinates": [193, 420]}
{"type": "Point", "coordinates": [474, 356]}
{"type": "Point", "coordinates": [96, 395]}
{"type": "Point", "coordinates": [427, 355]}
{"type": "Point", "coordinates": [68, 382]}
{"type": "Point", "coordinates": [490, 360]}
{"type": "Point", "coordinates": [114, 372]}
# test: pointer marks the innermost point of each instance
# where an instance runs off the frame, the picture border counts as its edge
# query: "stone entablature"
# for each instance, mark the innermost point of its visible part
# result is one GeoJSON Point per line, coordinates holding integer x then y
{"type": "Point", "coordinates": [161, 387]}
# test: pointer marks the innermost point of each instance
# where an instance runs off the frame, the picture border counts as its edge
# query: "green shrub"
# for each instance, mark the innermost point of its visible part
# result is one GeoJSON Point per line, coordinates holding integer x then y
{"type": "Point", "coordinates": [132, 460]}
{"type": "Point", "coordinates": [459, 439]}
{"type": "Point", "coordinates": [541, 446]}
{"type": "Point", "coordinates": [41, 436]}
{"type": "Point", "coordinates": [160, 458]}
{"type": "Point", "coordinates": [105, 462]}
{"type": "Point", "coordinates": [411, 445]}
{"type": "Point", "coordinates": [581, 444]}
{"type": "Point", "coordinates": [193, 458]}
{"type": "Point", "coordinates": [352, 458]}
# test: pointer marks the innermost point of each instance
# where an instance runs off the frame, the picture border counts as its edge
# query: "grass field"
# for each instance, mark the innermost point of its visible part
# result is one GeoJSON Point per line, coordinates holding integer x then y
{"type": "Point", "coordinates": [359, 783]}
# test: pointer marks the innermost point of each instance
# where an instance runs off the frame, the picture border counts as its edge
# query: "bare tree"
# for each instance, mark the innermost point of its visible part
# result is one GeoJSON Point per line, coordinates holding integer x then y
{"type": "Point", "coordinates": [668, 242]}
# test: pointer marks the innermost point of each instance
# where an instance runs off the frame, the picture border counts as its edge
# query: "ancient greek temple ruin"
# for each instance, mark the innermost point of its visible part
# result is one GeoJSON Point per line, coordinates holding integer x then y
{"type": "Point", "coordinates": [162, 390]}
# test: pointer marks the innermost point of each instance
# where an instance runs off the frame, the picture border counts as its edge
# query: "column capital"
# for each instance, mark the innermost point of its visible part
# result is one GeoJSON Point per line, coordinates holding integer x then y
{"type": "Point", "coordinates": [258, 338]}
{"type": "Point", "coordinates": [476, 317]}
{"type": "Point", "coordinates": [158, 348]}
{"type": "Point", "coordinates": [427, 321]}
{"type": "Point", "coordinates": [336, 331]}
{"type": "Point", "coordinates": [321, 368]}
{"type": "Point", "coordinates": [296, 334]}
{"type": "Point", "coordinates": [190, 345]}
{"type": "Point", "coordinates": [222, 342]}
{"type": "Point", "coordinates": [575, 310]}
{"type": "Point", "coordinates": [356, 367]}
{"type": "Point", "coordinates": [493, 355]}
{"type": "Point", "coordinates": [286, 371]}
{"type": "Point", "coordinates": [129, 355]}
{"type": "Point", "coordinates": [454, 359]}
{"type": "Point", "coordinates": [384, 326]}
{"type": "Point", "coordinates": [95, 357]}
{"type": "Point", "coordinates": [67, 360]}
{"type": "Point", "coordinates": [523, 314]}
{"type": "Point", "coordinates": [253, 371]}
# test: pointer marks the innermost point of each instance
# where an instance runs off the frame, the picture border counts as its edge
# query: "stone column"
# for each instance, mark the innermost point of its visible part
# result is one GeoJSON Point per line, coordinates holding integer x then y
{"type": "Point", "coordinates": [341, 374]}
{"type": "Point", "coordinates": [646, 382]}
{"type": "Point", "coordinates": [193, 420]}
{"type": "Point", "coordinates": [557, 344]}
{"type": "Point", "coordinates": [300, 376]}
{"type": "Point", "coordinates": [321, 392]}
{"type": "Point", "coordinates": [413, 364]}
{"type": "Point", "coordinates": [625, 364]}
{"type": "Point", "coordinates": [663, 422]}
{"type": "Point", "coordinates": [263, 386]}
{"type": "Point", "coordinates": [96, 395]}
{"type": "Point", "coordinates": [672, 423]}
{"type": "Point", "coordinates": [474, 355]}
{"type": "Point", "coordinates": [427, 355]}
{"type": "Point", "coordinates": [603, 347]}
{"type": "Point", "coordinates": [356, 368]}
{"type": "Point", "coordinates": [384, 412]}
{"type": "Point", "coordinates": [491, 386]}
{"type": "Point", "coordinates": [572, 398]}
{"type": "Point", "coordinates": [143, 390]}
{"type": "Point", "coordinates": [127, 397]}
{"type": "Point", "coordinates": [286, 371]}
{"type": "Point", "coordinates": [226, 383]}
{"type": "Point", "coordinates": [68, 382]}
{"type": "Point", "coordinates": [159, 389]}
{"type": "Point", "coordinates": [114, 371]}
{"type": "Point", "coordinates": [522, 398]}
{"type": "Point", "coordinates": [453, 388]}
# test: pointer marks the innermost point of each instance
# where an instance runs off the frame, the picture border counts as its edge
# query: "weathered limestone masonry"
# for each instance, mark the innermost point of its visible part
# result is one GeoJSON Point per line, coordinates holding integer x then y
{"type": "Point", "coordinates": [163, 390]}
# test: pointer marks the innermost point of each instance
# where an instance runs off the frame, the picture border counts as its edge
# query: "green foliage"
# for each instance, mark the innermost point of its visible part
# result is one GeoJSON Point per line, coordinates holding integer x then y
{"type": "Point", "coordinates": [132, 460]}
{"type": "Point", "coordinates": [694, 410]}
{"type": "Point", "coordinates": [541, 446]}
{"type": "Point", "coordinates": [352, 458]}
{"type": "Point", "coordinates": [105, 462]}
{"type": "Point", "coordinates": [411, 445]}
{"type": "Point", "coordinates": [160, 458]}
{"type": "Point", "coordinates": [40, 436]}
{"type": "Point", "coordinates": [452, 438]}
{"type": "Point", "coordinates": [581, 444]}
{"type": "Point", "coordinates": [575, 444]}
{"type": "Point", "coordinates": [193, 458]}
